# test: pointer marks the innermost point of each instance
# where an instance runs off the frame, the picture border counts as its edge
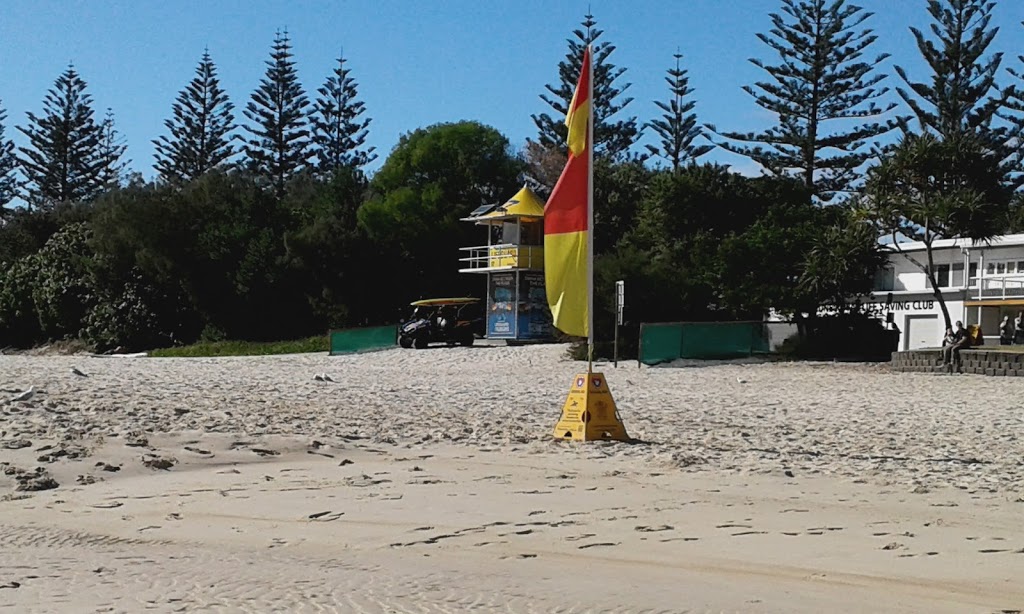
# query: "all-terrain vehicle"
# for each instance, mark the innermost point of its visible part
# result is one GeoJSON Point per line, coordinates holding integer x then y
{"type": "Point", "coordinates": [453, 321]}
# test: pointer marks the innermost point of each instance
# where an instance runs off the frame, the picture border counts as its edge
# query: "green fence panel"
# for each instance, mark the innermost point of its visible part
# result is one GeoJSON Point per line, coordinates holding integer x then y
{"type": "Point", "coordinates": [350, 340]}
{"type": "Point", "coordinates": [665, 342]}
{"type": "Point", "coordinates": [660, 343]}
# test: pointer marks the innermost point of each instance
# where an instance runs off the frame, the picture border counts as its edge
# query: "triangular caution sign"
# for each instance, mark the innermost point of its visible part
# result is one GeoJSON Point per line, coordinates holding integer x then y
{"type": "Point", "coordinates": [589, 412]}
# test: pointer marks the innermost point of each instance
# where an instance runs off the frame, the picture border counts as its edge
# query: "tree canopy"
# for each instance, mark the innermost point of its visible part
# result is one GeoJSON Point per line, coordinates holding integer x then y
{"type": "Point", "coordinates": [824, 93]}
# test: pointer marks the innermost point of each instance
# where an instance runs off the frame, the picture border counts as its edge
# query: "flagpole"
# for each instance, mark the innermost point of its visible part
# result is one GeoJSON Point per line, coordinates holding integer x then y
{"type": "Point", "coordinates": [590, 210]}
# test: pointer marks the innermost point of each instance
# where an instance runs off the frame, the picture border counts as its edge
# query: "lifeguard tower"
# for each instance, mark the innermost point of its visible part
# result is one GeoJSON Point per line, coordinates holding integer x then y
{"type": "Point", "coordinates": [513, 261]}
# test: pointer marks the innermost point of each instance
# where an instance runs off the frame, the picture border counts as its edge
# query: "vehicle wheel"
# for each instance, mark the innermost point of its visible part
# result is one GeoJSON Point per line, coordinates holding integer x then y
{"type": "Point", "coordinates": [405, 342]}
{"type": "Point", "coordinates": [466, 341]}
{"type": "Point", "coordinates": [420, 343]}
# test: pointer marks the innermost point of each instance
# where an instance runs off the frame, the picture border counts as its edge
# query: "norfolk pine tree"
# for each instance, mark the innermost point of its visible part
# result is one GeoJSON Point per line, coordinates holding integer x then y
{"type": "Point", "coordinates": [8, 166]}
{"type": "Point", "coordinates": [200, 130]}
{"type": "Point", "coordinates": [963, 95]}
{"type": "Point", "coordinates": [678, 128]}
{"type": "Point", "coordinates": [112, 148]}
{"type": "Point", "coordinates": [1013, 113]}
{"type": "Point", "coordinates": [612, 139]}
{"type": "Point", "coordinates": [65, 160]}
{"type": "Point", "coordinates": [821, 80]}
{"type": "Point", "coordinates": [339, 131]}
{"type": "Point", "coordinates": [279, 147]}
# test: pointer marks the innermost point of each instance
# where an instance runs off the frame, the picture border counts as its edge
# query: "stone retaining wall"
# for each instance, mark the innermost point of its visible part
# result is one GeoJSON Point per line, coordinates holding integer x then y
{"type": "Point", "coordinates": [980, 362]}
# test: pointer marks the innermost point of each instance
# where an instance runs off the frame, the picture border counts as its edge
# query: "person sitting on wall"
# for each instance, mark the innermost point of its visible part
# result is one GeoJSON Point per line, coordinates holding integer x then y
{"type": "Point", "coordinates": [1006, 331]}
{"type": "Point", "coordinates": [952, 344]}
{"type": "Point", "coordinates": [1018, 328]}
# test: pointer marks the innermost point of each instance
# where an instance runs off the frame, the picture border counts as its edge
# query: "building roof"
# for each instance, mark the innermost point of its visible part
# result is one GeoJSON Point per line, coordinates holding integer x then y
{"type": "Point", "coordinates": [524, 204]}
{"type": "Point", "coordinates": [1001, 241]}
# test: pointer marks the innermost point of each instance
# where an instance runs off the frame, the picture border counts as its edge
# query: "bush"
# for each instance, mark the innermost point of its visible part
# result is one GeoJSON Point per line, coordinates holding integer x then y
{"type": "Point", "coordinates": [127, 318]}
{"type": "Point", "coordinates": [847, 337]}
{"type": "Point", "coordinates": [19, 324]}
{"type": "Point", "coordinates": [63, 292]}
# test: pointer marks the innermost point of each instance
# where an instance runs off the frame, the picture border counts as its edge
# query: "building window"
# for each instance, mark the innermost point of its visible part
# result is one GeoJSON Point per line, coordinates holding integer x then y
{"type": "Point", "coordinates": [972, 275]}
{"type": "Point", "coordinates": [957, 279]}
{"type": "Point", "coordinates": [942, 275]}
{"type": "Point", "coordinates": [1000, 268]}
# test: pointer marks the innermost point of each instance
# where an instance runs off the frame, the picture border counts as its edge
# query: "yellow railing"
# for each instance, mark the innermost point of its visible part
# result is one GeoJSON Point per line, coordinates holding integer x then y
{"type": "Point", "coordinates": [504, 256]}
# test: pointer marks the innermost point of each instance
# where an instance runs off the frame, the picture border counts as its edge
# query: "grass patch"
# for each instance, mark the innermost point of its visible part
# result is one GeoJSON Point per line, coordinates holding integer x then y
{"type": "Point", "coordinates": [245, 348]}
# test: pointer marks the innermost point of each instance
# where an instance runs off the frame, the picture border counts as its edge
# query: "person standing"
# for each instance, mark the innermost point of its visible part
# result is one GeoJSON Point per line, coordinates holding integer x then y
{"type": "Point", "coordinates": [1006, 331]}
{"type": "Point", "coordinates": [1018, 328]}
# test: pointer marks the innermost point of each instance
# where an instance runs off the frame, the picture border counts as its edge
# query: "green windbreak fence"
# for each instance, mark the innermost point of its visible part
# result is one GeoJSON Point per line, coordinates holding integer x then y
{"type": "Point", "coordinates": [665, 342]}
{"type": "Point", "coordinates": [349, 340]}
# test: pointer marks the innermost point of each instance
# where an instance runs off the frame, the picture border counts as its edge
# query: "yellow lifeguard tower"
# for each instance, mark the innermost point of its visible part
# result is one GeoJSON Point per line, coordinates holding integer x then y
{"type": "Point", "coordinates": [513, 261]}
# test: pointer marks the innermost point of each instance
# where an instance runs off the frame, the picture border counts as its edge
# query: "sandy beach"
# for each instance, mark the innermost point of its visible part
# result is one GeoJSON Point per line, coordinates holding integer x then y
{"type": "Point", "coordinates": [428, 481]}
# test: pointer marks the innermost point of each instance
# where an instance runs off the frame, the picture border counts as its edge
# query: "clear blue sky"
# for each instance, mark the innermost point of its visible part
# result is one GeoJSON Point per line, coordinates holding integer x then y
{"type": "Point", "coordinates": [417, 63]}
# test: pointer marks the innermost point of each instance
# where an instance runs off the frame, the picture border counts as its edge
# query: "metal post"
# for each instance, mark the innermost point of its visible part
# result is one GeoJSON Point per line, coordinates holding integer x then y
{"type": "Point", "coordinates": [620, 301]}
{"type": "Point", "coordinates": [615, 359]}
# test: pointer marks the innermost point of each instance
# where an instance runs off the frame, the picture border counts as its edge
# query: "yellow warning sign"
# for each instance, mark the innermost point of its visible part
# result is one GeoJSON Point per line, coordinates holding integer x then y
{"type": "Point", "coordinates": [589, 412]}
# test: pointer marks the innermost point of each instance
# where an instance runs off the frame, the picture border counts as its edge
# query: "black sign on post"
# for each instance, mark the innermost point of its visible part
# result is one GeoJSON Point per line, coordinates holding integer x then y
{"type": "Point", "coordinates": [620, 301]}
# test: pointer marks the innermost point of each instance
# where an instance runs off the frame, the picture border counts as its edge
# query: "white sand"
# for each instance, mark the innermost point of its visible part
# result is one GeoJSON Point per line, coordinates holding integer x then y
{"type": "Point", "coordinates": [436, 487]}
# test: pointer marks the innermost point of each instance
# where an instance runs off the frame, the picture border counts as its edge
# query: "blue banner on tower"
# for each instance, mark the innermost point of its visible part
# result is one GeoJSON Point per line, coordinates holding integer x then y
{"type": "Point", "coordinates": [501, 317]}
{"type": "Point", "coordinates": [534, 313]}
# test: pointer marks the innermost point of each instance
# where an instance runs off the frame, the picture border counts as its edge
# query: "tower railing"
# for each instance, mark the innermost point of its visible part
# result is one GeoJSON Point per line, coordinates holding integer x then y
{"type": "Point", "coordinates": [505, 256]}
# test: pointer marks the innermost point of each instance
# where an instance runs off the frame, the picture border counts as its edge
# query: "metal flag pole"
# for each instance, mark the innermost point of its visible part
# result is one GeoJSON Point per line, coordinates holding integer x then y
{"type": "Point", "coordinates": [590, 210]}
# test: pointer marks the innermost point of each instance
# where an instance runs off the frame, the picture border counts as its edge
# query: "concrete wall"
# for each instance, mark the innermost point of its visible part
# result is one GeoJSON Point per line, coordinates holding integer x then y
{"type": "Point", "coordinates": [977, 362]}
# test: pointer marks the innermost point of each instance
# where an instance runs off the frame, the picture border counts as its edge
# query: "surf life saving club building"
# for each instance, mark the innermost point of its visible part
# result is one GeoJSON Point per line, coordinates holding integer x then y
{"type": "Point", "coordinates": [979, 283]}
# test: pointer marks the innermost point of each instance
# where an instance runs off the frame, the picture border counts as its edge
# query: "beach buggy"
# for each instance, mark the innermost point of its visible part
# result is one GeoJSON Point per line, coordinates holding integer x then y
{"type": "Point", "coordinates": [453, 321]}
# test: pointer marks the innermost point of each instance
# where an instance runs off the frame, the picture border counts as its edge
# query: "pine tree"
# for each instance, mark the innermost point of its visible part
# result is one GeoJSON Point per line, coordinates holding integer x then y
{"type": "Point", "coordinates": [1013, 113]}
{"type": "Point", "coordinates": [8, 166]}
{"type": "Point", "coordinates": [279, 148]}
{"type": "Point", "coordinates": [821, 80]}
{"type": "Point", "coordinates": [339, 133]}
{"type": "Point", "coordinates": [65, 160]}
{"type": "Point", "coordinates": [678, 127]}
{"type": "Point", "coordinates": [612, 139]}
{"type": "Point", "coordinates": [963, 95]}
{"type": "Point", "coordinates": [200, 130]}
{"type": "Point", "coordinates": [112, 148]}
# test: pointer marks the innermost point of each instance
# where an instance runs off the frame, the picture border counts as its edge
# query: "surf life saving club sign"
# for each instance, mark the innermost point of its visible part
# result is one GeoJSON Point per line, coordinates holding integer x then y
{"type": "Point", "coordinates": [907, 305]}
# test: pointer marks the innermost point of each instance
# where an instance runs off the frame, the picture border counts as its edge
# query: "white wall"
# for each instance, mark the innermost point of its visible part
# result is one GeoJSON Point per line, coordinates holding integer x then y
{"type": "Point", "coordinates": [908, 277]}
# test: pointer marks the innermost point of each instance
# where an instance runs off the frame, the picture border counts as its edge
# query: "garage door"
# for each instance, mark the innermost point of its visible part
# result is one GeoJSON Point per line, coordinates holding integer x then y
{"type": "Point", "coordinates": [922, 332]}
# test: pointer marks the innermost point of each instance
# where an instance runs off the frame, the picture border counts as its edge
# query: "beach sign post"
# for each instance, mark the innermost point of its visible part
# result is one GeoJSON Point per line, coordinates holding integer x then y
{"type": "Point", "coordinates": [589, 411]}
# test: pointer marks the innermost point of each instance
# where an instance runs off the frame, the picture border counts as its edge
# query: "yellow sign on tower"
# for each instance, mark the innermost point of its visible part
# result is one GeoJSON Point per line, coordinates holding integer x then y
{"type": "Point", "coordinates": [589, 412]}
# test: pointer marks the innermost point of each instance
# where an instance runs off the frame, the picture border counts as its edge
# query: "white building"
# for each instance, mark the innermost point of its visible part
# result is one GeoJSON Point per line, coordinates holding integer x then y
{"type": "Point", "coordinates": [992, 287]}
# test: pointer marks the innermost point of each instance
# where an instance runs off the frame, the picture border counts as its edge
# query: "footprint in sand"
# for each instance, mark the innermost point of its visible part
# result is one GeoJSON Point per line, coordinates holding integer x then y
{"type": "Point", "coordinates": [597, 545]}
{"type": "Point", "coordinates": [646, 529]}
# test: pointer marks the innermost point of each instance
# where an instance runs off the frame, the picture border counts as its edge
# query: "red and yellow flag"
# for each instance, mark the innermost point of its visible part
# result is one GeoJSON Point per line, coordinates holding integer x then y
{"type": "Point", "coordinates": [567, 221]}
